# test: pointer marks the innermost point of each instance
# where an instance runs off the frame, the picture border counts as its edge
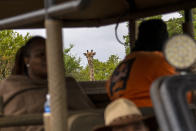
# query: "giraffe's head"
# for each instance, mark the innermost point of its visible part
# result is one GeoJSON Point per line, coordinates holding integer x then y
{"type": "Point", "coordinates": [89, 55]}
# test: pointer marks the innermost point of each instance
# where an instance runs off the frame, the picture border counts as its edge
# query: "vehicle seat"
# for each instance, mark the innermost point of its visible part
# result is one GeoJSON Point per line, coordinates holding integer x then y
{"type": "Point", "coordinates": [85, 121]}
{"type": "Point", "coordinates": [76, 96]}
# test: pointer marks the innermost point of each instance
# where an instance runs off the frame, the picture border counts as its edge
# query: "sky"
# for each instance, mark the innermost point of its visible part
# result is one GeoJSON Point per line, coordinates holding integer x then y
{"type": "Point", "coordinates": [101, 40]}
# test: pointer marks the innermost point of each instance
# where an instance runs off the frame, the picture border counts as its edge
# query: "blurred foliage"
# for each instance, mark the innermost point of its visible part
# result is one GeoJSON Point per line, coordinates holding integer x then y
{"type": "Point", "coordinates": [10, 42]}
{"type": "Point", "coordinates": [72, 64]}
{"type": "Point", "coordinates": [174, 26]}
{"type": "Point", "coordinates": [102, 70]}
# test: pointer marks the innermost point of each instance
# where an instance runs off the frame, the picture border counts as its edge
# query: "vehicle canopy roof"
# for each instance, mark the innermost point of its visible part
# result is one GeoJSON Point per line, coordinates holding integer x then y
{"type": "Point", "coordinates": [96, 12]}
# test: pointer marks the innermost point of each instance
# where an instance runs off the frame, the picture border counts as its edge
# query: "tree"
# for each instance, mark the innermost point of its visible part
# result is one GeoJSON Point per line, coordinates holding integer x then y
{"type": "Point", "coordinates": [174, 26]}
{"type": "Point", "coordinates": [127, 44]}
{"type": "Point", "coordinates": [84, 74]}
{"type": "Point", "coordinates": [102, 70]}
{"type": "Point", "coordinates": [72, 64]}
{"type": "Point", "coordinates": [111, 64]}
{"type": "Point", "coordinates": [10, 42]}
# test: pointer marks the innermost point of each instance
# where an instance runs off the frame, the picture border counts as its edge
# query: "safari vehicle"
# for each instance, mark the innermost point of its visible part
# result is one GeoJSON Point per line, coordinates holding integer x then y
{"type": "Point", "coordinates": [57, 14]}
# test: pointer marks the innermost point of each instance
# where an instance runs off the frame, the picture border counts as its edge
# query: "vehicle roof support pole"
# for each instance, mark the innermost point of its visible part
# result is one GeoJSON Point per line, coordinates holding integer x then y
{"type": "Point", "coordinates": [132, 33]}
{"type": "Point", "coordinates": [56, 75]}
{"type": "Point", "coordinates": [188, 27]}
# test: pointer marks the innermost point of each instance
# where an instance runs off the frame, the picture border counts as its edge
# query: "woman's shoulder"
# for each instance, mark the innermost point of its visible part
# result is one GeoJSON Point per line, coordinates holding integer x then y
{"type": "Point", "coordinates": [16, 78]}
{"type": "Point", "coordinates": [12, 81]}
{"type": "Point", "coordinates": [17, 82]}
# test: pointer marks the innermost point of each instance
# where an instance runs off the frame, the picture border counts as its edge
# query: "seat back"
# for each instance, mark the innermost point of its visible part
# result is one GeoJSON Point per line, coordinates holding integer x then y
{"type": "Point", "coordinates": [85, 121]}
{"type": "Point", "coordinates": [169, 98]}
{"type": "Point", "coordinates": [96, 91]}
{"type": "Point", "coordinates": [77, 99]}
{"type": "Point", "coordinates": [158, 104]}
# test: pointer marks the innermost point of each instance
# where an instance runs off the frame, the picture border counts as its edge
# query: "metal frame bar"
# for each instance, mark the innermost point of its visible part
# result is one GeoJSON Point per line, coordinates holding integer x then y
{"type": "Point", "coordinates": [188, 15]}
{"type": "Point", "coordinates": [36, 16]}
{"type": "Point", "coordinates": [188, 27]}
{"type": "Point", "coordinates": [158, 104]}
{"type": "Point", "coordinates": [34, 119]}
{"type": "Point", "coordinates": [39, 15]}
{"type": "Point", "coordinates": [56, 74]}
{"type": "Point", "coordinates": [22, 120]}
{"type": "Point", "coordinates": [135, 14]}
{"type": "Point", "coordinates": [173, 93]}
{"type": "Point", "coordinates": [132, 33]}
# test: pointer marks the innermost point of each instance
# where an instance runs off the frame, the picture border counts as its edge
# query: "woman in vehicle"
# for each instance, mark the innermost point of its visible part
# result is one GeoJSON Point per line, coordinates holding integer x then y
{"type": "Point", "coordinates": [24, 91]}
{"type": "Point", "coordinates": [133, 77]}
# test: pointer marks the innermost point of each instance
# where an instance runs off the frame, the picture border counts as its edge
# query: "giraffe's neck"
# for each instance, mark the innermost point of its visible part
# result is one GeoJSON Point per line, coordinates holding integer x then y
{"type": "Point", "coordinates": [91, 70]}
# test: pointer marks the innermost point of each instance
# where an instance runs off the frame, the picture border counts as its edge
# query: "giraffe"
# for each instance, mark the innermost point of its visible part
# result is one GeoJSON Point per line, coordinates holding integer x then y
{"type": "Point", "coordinates": [89, 56]}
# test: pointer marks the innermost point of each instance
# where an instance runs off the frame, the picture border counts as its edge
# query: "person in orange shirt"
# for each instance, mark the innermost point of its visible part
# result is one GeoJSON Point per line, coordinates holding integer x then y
{"type": "Point", "coordinates": [134, 75]}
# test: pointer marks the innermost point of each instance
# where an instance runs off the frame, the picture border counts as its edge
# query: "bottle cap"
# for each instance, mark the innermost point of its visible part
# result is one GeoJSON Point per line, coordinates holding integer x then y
{"type": "Point", "coordinates": [48, 96]}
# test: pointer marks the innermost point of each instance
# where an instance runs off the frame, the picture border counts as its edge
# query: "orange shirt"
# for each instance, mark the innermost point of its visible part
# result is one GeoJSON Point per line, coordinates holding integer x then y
{"type": "Point", "coordinates": [133, 77]}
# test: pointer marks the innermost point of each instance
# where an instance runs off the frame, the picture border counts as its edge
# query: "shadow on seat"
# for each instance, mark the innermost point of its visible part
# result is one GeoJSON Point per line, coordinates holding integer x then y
{"type": "Point", "coordinates": [85, 121]}
{"type": "Point", "coordinates": [77, 99]}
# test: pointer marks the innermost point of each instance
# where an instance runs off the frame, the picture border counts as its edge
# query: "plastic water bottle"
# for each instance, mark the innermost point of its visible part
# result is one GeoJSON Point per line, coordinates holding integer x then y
{"type": "Point", "coordinates": [47, 104]}
{"type": "Point", "coordinates": [47, 113]}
